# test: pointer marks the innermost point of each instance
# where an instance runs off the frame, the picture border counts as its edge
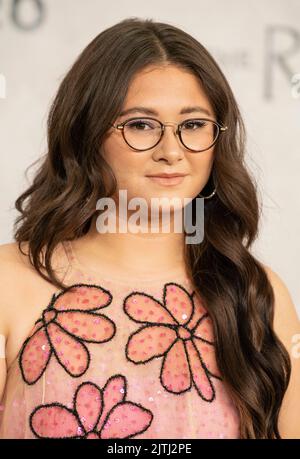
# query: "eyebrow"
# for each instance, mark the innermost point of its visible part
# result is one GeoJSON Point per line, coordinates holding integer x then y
{"type": "Point", "coordinates": [151, 111]}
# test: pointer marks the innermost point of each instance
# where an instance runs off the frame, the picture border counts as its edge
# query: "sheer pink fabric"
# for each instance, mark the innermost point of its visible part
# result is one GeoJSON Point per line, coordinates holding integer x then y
{"type": "Point", "coordinates": [118, 358]}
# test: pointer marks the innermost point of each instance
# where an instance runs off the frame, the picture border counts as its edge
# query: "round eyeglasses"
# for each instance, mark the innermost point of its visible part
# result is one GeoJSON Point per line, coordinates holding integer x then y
{"type": "Point", "coordinates": [195, 134]}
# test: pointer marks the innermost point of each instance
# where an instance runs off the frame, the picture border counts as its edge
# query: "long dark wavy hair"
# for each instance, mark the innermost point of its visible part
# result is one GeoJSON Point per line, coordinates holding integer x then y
{"type": "Point", "coordinates": [73, 175]}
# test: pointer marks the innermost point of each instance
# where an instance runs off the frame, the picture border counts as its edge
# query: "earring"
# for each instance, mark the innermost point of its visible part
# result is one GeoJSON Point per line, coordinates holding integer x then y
{"type": "Point", "coordinates": [212, 194]}
{"type": "Point", "coordinates": [209, 196]}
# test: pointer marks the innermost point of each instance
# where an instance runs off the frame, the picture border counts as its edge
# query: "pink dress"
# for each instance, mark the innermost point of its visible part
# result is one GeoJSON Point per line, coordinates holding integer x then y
{"type": "Point", "coordinates": [118, 358]}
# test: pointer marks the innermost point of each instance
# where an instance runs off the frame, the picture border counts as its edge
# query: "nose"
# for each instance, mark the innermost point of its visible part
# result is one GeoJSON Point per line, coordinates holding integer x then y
{"type": "Point", "coordinates": [169, 148]}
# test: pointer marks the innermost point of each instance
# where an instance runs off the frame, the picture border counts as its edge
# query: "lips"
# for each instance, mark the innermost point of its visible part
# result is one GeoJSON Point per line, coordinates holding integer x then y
{"type": "Point", "coordinates": [166, 175]}
{"type": "Point", "coordinates": [167, 179]}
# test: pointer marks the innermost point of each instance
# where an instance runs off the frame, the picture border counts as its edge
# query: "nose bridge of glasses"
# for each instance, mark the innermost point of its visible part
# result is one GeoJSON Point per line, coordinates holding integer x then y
{"type": "Point", "coordinates": [171, 124]}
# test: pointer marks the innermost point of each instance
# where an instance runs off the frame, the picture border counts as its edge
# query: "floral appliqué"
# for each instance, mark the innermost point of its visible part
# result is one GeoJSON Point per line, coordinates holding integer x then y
{"type": "Point", "coordinates": [180, 331]}
{"type": "Point", "coordinates": [96, 414]}
{"type": "Point", "coordinates": [68, 321]}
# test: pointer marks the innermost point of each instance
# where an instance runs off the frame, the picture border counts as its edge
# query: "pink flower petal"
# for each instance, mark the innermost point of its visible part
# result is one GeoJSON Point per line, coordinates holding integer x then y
{"type": "Point", "coordinates": [88, 405]}
{"type": "Point", "coordinates": [149, 342]}
{"type": "Point", "coordinates": [83, 297]}
{"type": "Point", "coordinates": [92, 436]}
{"type": "Point", "coordinates": [71, 354]}
{"type": "Point", "coordinates": [87, 326]}
{"type": "Point", "coordinates": [201, 381]}
{"type": "Point", "coordinates": [144, 308]}
{"type": "Point", "coordinates": [178, 302]}
{"type": "Point", "coordinates": [207, 352]}
{"type": "Point", "coordinates": [54, 421]}
{"type": "Point", "coordinates": [175, 374]}
{"type": "Point", "coordinates": [113, 392]}
{"type": "Point", "coordinates": [126, 420]}
{"type": "Point", "coordinates": [199, 311]}
{"type": "Point", "coordinates": [35, 355]}
{"type": "Point", "coordinates": [204, 329]}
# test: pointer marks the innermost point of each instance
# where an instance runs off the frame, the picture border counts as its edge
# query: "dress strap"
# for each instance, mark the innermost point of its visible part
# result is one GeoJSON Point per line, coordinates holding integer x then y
{"type": "Point", "coordinates": [68, 251]}
{"type": "Point", "coordinates": [69, 256]}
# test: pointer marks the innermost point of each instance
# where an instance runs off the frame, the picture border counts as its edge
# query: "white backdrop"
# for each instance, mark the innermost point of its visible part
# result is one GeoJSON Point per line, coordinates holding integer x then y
{"type": "Point", "coordinates": [257, 44]}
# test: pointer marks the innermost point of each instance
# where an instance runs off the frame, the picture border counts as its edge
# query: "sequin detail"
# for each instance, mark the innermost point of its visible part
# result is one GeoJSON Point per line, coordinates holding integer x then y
{"type": "Point", "coordinates": [67, 322]}
{"type": "Point", "coordinates": [96, 414]}
{"type": "Point", "coordinates": [180, 330]}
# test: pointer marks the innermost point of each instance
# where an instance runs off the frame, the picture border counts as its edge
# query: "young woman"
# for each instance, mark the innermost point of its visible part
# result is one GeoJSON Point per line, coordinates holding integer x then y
{"type": "Point", "coordinates": [124, 334]}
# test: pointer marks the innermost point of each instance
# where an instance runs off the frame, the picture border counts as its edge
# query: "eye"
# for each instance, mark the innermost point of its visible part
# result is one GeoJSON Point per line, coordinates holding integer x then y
{"type": "Point", "coordinates": [139, 125]}
{"type": "Point", "coordinates": [192, 125]}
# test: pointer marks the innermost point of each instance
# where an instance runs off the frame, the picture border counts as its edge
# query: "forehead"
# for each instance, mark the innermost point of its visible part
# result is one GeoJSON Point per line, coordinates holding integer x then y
{"type": "Point", "coordinates": [166, 90]}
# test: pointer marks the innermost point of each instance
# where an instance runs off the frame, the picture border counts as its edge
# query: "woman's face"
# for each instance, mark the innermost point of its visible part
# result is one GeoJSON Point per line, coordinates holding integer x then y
{"type": "Point", "coordinates": [166, 91]}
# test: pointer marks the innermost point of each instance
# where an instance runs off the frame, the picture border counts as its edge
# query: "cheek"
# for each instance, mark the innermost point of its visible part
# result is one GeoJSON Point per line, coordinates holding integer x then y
{"type": "Point", "coordinates": [127, 166]}
{"type": "Point", "coordinates": [128, 170]}
{"type": "Point", "coordinates": [119, 161]}
{"type": "Point", "coordinates": [201, 168]}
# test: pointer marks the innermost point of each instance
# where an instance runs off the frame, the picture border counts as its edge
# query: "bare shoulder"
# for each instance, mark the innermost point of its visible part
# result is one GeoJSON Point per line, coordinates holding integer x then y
{"type": "Point", "coordinates": [24, 294]}
{"type": "Point", "coordinates": [287, 328]}
{"type": "Point", "coordinates": [15, 264]}
{"type": "Point", "coordinates": [18, 277]}
{"type": "Point", "coordinates": [10, 253]}
{"type": "Point", "coordinates": [14, 271]}
{"type": "Point", "coordinates": [286, 319]}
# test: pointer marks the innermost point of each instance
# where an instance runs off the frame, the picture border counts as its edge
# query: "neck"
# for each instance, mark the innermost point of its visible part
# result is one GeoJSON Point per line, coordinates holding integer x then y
{"type": "Point", "coordinates": [147, 252]}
